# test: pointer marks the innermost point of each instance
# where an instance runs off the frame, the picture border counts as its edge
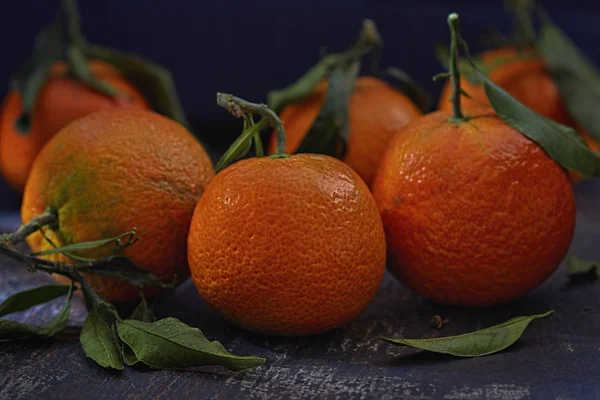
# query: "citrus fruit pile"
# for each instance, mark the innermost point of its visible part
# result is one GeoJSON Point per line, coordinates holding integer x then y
{"type": "Point", "coordinates": [469, 205]}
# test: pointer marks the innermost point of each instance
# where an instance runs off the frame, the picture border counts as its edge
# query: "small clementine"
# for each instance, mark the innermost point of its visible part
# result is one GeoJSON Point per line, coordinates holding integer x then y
{"type": "Point", "coordinates": [376, 111]}
{"type": "Point", "coordinates": [60, 101]}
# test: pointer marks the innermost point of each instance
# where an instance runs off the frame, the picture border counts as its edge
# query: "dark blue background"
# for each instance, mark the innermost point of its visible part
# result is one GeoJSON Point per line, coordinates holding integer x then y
{"type": "Point", "coordinates": [247, 48]}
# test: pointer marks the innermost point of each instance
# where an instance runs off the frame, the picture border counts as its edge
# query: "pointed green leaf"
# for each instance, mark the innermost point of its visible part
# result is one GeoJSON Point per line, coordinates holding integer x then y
{"type": "Point", "coordinates": [82, 246]}
{"type": "Point", "coordinates": [240, 146]}
{"type": "Point", "coordinates": [330, 131]}
{"type": "Point", "coordinates": [578, 268]}
{"type": "Point", "coordinates": [479, 343]}
{"type": "Point", "coordinates": [577, 78]}
{"type": "Point", "coordinates": [561, 143]}
{"type": "Point", "coordinates": [99, 338]}
{"type": "Point", "coordinates": [58, 323]}
{"type": "Point", "coordinates": [28, 298]}
{"type": "Point", "coordinates": [142, 312]}
{"type": "Point", "coordinates": [171, 344]}
{"type": "Point", "coordinates": [153, 80]}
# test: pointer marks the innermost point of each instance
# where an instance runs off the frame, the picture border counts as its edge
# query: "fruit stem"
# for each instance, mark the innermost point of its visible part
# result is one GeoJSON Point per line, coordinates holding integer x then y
{"type": "Point", "coordinates": [49, 217]}
{"type": "Point", "coordinates": [238, 107]}
{"type": "Point", "coordinates": [454, 25]}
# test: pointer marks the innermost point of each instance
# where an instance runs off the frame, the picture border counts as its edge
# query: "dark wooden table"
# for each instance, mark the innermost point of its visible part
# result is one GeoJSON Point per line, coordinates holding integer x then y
{"type": "Point", "coordinates": [557, 358]}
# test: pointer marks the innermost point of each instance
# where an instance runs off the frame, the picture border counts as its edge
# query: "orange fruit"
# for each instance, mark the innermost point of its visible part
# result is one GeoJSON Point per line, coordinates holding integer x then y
{"type": "Point", "coordinates": [288, 246]}
{"type": "Point", "coordinates": [526, 79]}
{"type": "Point", "coordinates": [475, 213]}
{"type": "Point", "coordinates": [61, 100]}
{"type": "Point", "coordinates": [114, 170]}
{"type": "Point", "coordinates": [376, 111]}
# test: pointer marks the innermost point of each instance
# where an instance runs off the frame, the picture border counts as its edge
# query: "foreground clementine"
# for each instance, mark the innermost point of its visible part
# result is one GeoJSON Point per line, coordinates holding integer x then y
{"type": "Point", "coordinates": [291, 245]}
{"type": "Point", "coordinates": [61, 101]}
{"type": "Point", "coordinates": [114, 170]}
{"type": "Point", "coordinates": [375, 112]}
{"type": "Point", "coordinates": [475, 213]}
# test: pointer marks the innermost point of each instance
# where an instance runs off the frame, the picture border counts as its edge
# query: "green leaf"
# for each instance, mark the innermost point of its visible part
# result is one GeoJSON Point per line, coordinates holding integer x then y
{"type": "Point", "coordinates": [28, 298]}
{"type": "Point", "coordinates": [577, 78]}
{"type": "Point", "coordinates": [128, 355]}
{"type": "Point", "coordinates": [153, 80]}
{"type": "Point", "coordinates": [561, 143]}
{"type": "Point", "coordinates": [409, 87]}
{"type": "Point", "coordinates": [240, 146]}
{"type": "Point", "coordinates": [80, 70]}
{"type": "Point", "coordinates": [142, 312]}
{"type": "Point", "coordinates": [479, 343]}
{"type": "Point", "coordinates": [171, 344]}
{"type": "Point", "coordinates": [329, 132]}
{"type": "Point", "coordinates": [57, 324]}
{"type": "Point", "coordinates": [82, 246]}
{"type": "Point", "coordinates": [99, 338]}
{"type": "Point", "coordinates": [578, 268]}
{"type": "Point", "coordinates": [32, 76]}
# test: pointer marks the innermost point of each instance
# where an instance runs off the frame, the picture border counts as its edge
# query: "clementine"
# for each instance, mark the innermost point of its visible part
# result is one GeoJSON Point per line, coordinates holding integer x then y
{"type": "Point", "coordinates": [61, 100]}
{"type": "Point", "coordinates": [286, 245]}
{"type": "Point", "coordinates": [114, 170]}
{"type": "Point", "coordinates": [475, 213]}
{"type": "Point", "coordinates": [376, 111]}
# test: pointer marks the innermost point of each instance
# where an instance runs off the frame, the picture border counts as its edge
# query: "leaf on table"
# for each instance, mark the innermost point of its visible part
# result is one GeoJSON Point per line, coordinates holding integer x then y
{"type": "Point", "coordinates": [28, 298]}
{"type": "Point", "coordinates": [14, 329]}
{"type": "Point", "coordinates": [99, 338]}
{"type": "Point", "coordinates": [561, 143]}
{"type": "Point", "coordinates": [171, 344]}
{"type": "Point", "coordinates": [474, 344]}
{"type": "Point", "coordinates": [577, 78]}
{"type": "Point", "coordinates": [142, 312]}
{"type": "Point", "coordinates": [579, 269]}
{"type": "Point", "coordinates": [329, 132]}
{"type": "Point", "coordinates": [128, 355]}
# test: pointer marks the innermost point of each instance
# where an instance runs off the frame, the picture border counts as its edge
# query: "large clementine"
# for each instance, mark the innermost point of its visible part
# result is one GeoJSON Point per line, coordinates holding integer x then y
{"type": "Point", "coordinates": [287, 246]}
{"type": "Point", "coordinates": [61, 100]}
{"type": "Point", "coordinates": [114, 170]}
{"type": "Point", "coordinates": [376, 111]}
{"type": "Point", "coordinates": [525, 78]}
{"type": "Point", "coordinates": [475, 213]}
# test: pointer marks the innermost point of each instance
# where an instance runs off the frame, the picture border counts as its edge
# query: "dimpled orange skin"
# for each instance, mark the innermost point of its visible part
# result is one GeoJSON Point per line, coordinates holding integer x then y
{"type": "Point", "coordinates": [475, 213]}
{"type": "Point", "coordinates": [60, 101]}
{"type": "Point", "coordinates": [527, 80]}
{"type": "Point", "coordinates": [114, 170]}
{"type": "Point", "coordinates": [376, 111]}
{"type": "Point", "coordinates": [289, 247]}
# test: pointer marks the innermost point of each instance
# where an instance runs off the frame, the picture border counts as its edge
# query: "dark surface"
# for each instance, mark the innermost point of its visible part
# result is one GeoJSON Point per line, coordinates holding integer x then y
{"type": "Point", "coordinates": [248, 48]}
{"type": "Point", "coordinates": [557, 358]}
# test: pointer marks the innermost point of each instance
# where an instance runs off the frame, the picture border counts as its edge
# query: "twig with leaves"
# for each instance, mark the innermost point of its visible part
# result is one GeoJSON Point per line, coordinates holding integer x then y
{"type": "Point", "coordinates": [108, 339]}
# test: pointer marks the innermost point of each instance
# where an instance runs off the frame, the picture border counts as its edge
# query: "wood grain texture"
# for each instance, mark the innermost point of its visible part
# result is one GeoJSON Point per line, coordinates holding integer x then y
{"type": "Point", "coordinates": [557, 358]}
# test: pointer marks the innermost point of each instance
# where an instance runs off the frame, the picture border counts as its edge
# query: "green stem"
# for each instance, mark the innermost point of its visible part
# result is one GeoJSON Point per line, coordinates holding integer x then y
{"type": "Point", "coordinates": [238, 107]}
{"type": "Point", "coordinates": [454, 25]}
